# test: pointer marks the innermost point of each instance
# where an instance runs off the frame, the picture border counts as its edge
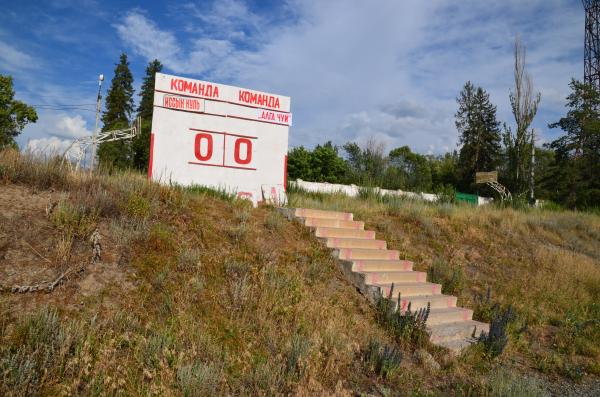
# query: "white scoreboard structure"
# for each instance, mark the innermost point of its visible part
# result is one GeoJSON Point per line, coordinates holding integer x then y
{"type": "Point", "coordinates": [220, 136]}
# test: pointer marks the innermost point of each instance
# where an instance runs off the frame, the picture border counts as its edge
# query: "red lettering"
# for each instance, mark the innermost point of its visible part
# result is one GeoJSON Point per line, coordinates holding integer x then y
{"type": "Point", "coordinates": [236, 152]}
{"type": "Point", "coordinates": [174, 84]}
{"type": "Point", "coordinates": [276, 104]}
{"type": "Point", "coordinates": [216, 93]}
{"type": "Point", "coordinates": [209, 146]}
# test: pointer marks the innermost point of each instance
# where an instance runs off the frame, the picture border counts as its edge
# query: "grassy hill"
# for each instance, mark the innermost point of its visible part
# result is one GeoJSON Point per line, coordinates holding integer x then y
{"type": "Point", "coordinates": [196, 293]}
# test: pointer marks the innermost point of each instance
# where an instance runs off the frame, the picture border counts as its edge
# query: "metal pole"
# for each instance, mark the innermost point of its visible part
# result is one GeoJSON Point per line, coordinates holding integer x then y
{"type": "Point", "coordinates": [98, 109]}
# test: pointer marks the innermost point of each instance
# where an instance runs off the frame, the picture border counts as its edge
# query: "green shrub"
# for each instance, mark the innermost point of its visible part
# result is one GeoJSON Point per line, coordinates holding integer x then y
{"type": "Point", "coordinates": [370, 193]}
{"type": "Point", "coordinates": [296, 354]}
{"type": "Point", "coordinates": [219, 193]}
{"type": "Point", "coordinates": [199, 379]}
{"type": "Point", "coordinates": [137, 206]}
{"type": "Point", "coordinates": [408, 328]}
{"type": "Point", "coordinates": [274, 221]}
{"type": "Point", "coordinates": [446, 194]}
{"type": "Point", "coordinates": [74, 219]}
{"type": "Point", "coordinates": [451, 279]}
{"type": "Point", "coordinates": [383, 360]}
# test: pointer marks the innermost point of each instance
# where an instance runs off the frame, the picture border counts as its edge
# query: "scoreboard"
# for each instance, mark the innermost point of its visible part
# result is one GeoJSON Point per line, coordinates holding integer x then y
{"type": "Point", "coordinates": [220, 136]}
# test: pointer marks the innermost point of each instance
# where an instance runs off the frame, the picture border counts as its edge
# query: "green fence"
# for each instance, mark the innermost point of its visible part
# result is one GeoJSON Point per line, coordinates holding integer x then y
{"type": "Point", "coordinates": [468, 198]}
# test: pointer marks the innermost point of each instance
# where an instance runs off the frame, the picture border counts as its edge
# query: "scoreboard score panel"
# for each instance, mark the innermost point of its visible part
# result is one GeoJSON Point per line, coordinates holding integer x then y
{"type": "Point", "coordinates": [219, 136]}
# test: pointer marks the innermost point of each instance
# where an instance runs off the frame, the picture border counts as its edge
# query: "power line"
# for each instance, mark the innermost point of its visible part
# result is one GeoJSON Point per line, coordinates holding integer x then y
{"type": "Point", "coordinates": [63, 105]}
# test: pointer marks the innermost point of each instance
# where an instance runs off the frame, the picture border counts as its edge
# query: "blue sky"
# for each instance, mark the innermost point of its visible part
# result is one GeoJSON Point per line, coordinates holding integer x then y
{"type": "Point", "coordinates": [389, 70]}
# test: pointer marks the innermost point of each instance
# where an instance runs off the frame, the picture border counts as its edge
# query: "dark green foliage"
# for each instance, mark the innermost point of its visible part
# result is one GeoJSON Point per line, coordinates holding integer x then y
{"type": "Point", "coordinates": [141, 143]}
{"type": "Point", "coordinates": [119, 107]}
{"type": "Point", "coordinates": [298, 164]}
{"type": "Point", "coordinates": [382, 360]}
{"type": "Point", "coordinates": [323, 164]}
{"type": "Point", "coordinates": [368, 165]}
{"type": "Point", "coordinates": [414, 168]}
{"type": "Point", "coordinates": [479, 134]}
{"type": "Point", "coordinates": [451, 279]}
{"type": "Point", "coordinates": [574, 175]}
{"type": "Point", "coordinates": [446, 194]}
{"type": "Point", "coordinates": [296, 354]}
{"type": "Point", "coordinates": [408, 327]}
{"type": "Point", "coordinates": [444, 169]}
{"type": "Point", "coordinates": [14, 114]}
{"type": "Point", "coordinates": [147, 91]}
{"type": "Point", "coordinates": [326, 165]}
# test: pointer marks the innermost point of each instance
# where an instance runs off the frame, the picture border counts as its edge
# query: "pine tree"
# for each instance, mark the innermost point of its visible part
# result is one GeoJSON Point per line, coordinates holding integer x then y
{"type": "Point", "coordinates": [119, 106]}
{"type": "Point", "coordinates": [479, 134]}
{"type": "Point", "coordinates": [141, 144]}
{"type": "Point", "coordinates": [574, 177]}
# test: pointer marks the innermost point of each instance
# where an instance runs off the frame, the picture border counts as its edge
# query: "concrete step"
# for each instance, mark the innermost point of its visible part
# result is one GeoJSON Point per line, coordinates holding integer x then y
{"type": "Point", "coordinates": [374, 267]}
{"type": "Point", "coordinates": [456, 330]}
{"type": "Point", "coordinates": [420, 301]}
{"type": "Point", "coordinates": [449, 315]}
{"type": "Point", "coordinates": [362, 253]}
{"type": "Point", "coordinates": [340, 242]}
{"type": "Point", "coordinates": [310, 213]}
{"type": "Point", "coordinates": [345, 233]}
{"type": "Point", "coordinates": [339, 223]}
{"type": "Point", "coordinates": [410, 289]}
{"type": "Point", "coordinates": [456, 345]}
{"type": "Point", "coordinates": [380, 265]}
{"type": "Point", "coordinates": [395, 277]}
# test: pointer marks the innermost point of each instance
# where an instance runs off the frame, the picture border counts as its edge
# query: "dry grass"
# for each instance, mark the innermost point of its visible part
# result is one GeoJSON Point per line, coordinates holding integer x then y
{"type": "Point", "coordinates": [217, 301]}
{"type": "Point", "coordinates": [545, 264]}
{"type": "Point", "coordinates": [210, 297]}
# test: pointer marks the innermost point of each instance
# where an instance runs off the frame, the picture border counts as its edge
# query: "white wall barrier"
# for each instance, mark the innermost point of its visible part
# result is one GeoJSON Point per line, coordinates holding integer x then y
{"type": "Point", "coordinates": [353, 190]}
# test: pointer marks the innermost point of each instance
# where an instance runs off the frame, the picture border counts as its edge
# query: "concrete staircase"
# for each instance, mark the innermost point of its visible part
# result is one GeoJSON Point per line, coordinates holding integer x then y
{"type": "Point", "coordinates": [373, 269]}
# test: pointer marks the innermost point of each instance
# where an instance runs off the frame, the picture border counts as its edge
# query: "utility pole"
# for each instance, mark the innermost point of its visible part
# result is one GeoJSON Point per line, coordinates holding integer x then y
{"type": "Point", "coordinates": [98, 109]}
{"type": "Point", "coordinates": [532, 173]}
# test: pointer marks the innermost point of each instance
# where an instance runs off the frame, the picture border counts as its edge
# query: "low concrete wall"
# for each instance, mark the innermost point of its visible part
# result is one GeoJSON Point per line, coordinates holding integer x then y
{"type": "Point", "coordinates": [352, 191]}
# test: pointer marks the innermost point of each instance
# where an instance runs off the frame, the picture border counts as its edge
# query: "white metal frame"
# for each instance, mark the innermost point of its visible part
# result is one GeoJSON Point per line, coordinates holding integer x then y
{"type": "Point", "coordinates": [81, 145]}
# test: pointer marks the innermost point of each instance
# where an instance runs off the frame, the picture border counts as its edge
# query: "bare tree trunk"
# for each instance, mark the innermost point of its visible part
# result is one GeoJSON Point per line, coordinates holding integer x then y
{"type": "Point", "coordinates": [524, 105]}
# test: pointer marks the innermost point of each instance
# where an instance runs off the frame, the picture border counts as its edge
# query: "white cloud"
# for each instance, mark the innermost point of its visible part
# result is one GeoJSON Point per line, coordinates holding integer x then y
{"type": "Point", "coordinates": [390, 70]}
{"type": "Point", "coordinates": [48, 147]}
{"type": "Point", "coordinates": [71, 127]}
{"type": "Point", "coordinates": [147, 40]}
{"type": "Point", "coordinates": [57, 133]}
{"type": "Point", "coordinates": [14, 60]}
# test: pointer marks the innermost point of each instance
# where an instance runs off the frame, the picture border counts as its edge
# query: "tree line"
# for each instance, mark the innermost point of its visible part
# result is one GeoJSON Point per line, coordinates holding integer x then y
{"type": "Point", "coordinates": [566, 170]}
